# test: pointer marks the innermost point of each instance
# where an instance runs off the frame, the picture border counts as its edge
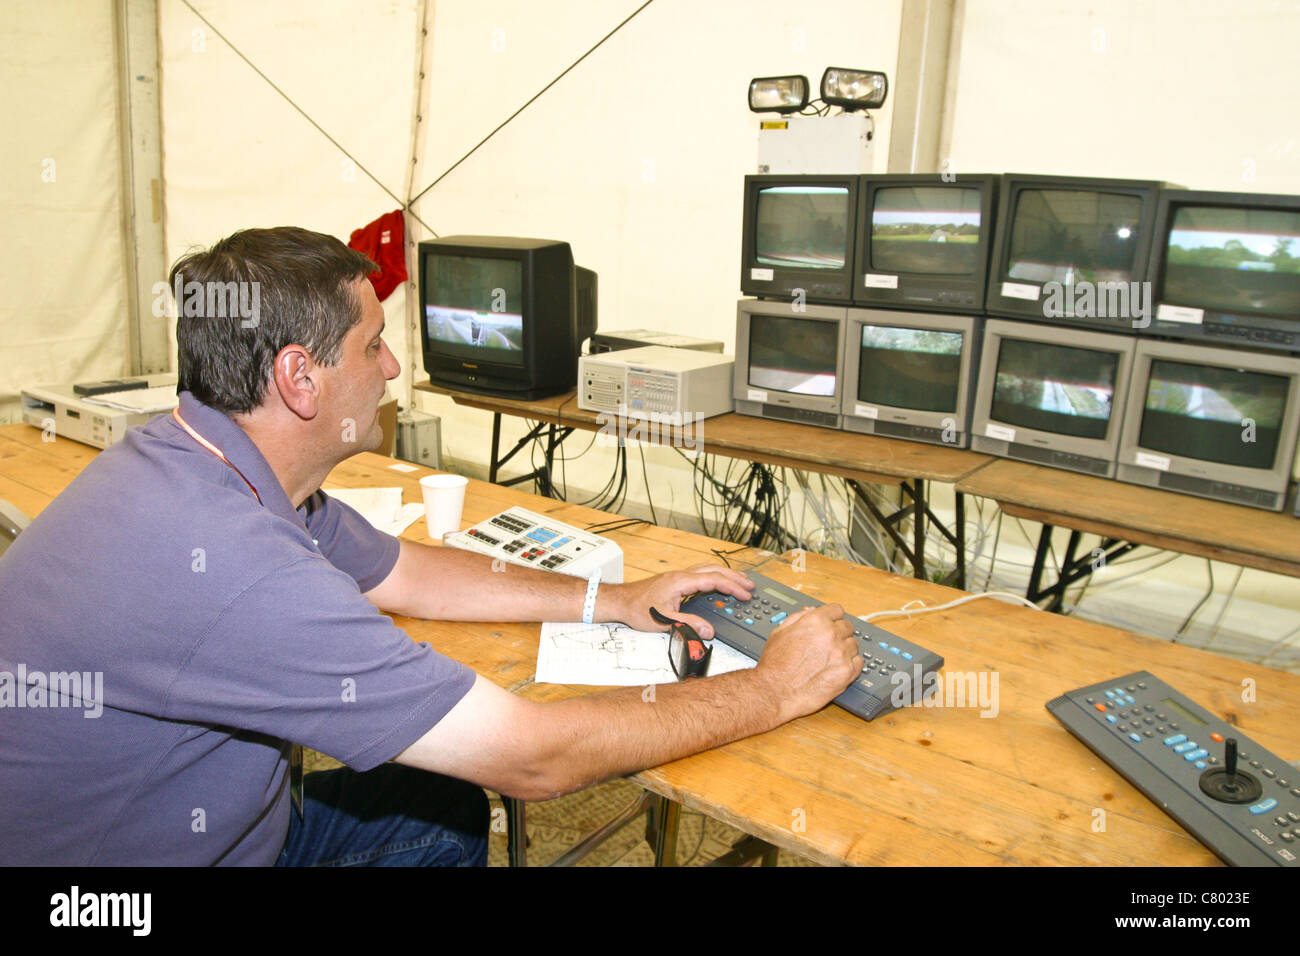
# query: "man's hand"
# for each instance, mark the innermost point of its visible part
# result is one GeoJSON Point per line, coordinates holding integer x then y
{"type": "Point", "coordinates": [631, 603]}
{"type": "Point", "coordinates": [811, 658]}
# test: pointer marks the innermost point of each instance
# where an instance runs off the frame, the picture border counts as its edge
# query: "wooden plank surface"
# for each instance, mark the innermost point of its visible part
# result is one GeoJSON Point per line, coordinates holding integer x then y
{"type": "Point", "coordinates": [786, 444]}
{"type": "Point", "coordinates": [923, 785]}
{"type": "Point", "coordinates": [1213, 529]}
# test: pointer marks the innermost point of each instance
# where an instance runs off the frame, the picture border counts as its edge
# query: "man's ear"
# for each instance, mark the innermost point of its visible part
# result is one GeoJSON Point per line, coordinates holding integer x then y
{"type": "Point", "coordinates": [297, 381]}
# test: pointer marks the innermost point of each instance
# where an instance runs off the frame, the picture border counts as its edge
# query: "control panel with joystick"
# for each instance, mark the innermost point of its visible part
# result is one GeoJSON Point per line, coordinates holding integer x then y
{"type": "Point", "coordinates": [1243, 805]}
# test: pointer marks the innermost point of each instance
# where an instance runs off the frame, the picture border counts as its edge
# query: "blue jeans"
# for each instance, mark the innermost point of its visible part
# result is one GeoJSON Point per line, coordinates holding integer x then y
{"type": "Point", "coordinates": [390, 816]}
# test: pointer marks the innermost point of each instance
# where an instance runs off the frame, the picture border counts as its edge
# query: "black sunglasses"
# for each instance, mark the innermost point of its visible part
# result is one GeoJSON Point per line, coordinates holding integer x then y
{"type": "Point", "coordinates": [688, 653]}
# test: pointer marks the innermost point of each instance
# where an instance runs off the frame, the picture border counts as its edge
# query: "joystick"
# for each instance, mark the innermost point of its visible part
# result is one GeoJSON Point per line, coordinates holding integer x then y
{"type": "Point", "coordinates": [1227, 784]}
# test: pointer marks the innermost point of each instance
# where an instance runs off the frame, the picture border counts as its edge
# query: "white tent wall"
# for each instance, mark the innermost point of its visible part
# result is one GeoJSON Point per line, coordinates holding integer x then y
{"type": "Point", "coordinates": [636, 158]}
{"type": "Point", "coordinates": [1193, 92]}
{"type": "Point", "coordinates": [238, 151]}
{"type": "Point", "coordinates": [63, 317]}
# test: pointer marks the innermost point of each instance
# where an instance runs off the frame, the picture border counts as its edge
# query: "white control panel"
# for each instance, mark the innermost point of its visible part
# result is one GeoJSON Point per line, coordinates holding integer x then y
{"type": "Point", "coordinates": [522, 537]}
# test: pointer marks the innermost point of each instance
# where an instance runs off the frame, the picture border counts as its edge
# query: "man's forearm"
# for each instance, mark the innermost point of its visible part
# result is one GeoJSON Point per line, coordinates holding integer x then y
{"type": "Point", "coordinates": [449, 584]}
{"type": "Point", "coordinates": [589, 739]}
{"type": "Point", "coordinates": [536, 751]}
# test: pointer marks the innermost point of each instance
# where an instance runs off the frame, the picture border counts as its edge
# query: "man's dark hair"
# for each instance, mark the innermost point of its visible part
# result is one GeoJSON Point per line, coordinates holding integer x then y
{"type": "Point", "coordinates": [302, 296]}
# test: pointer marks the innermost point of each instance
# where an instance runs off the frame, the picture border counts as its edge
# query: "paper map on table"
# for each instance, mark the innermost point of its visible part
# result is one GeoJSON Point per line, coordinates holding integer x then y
{"type": "Point", "coordinates": [612, 655]}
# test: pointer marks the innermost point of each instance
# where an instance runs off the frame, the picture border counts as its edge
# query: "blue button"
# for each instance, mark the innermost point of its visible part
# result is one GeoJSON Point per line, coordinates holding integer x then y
{"type": "Point", "coordinates": [1183, 748]}
{"type": "Point", "coordinates": [728, 610]}
{"type": "Point", "coordinates": [883, 643]}
{"type": "Point", "coordinates": [1264, 807]}
{"type": "Point", "coordinates": [562, 541]}
{"type": "Point", "coordinates": [1200, 765]}
{"type": "Point", "coordinates": [1196, 755]}
{"type": "Point", "coordinates": [1110, 693]}
{"type": "Point", "coordinates": [906, 656]}
{"type": "Point", "coordinates": [894, 650]}
{"type": "Point", "coordinates": [749, 620]}
{"type": "Point", "coordinates": [1119, 691]}
{"type": "Point", "coordinates": [1136, 738]}
{"type": "Point", "coordinates": [1129, 700]}
{"type": "Point", "coordinates": [1175, 739]}
{"type": "Point", "coordinates": [1111, 718]}
{"type": "Point", "coordinates": [778, 618]}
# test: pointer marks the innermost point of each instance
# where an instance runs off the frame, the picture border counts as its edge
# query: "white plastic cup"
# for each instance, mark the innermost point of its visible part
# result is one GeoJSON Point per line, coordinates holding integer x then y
{"type": "Point", "coordinates": [444, 497]}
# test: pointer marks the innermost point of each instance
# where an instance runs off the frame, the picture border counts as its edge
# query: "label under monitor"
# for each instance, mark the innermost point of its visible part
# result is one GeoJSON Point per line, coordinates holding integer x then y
{"type": "Point", "coordinates": [1019, 290]}
{"type": "Point", "coordinates": [1000, 432]}
{"type": "Point", "coordinates": [877, 281]}
{"type": "Point", "coordinates": [762, 275]}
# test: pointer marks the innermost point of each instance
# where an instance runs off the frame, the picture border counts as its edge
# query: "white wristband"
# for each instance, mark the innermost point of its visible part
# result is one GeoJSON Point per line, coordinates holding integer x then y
{"type": "Point", "coordinates": [589, 604]}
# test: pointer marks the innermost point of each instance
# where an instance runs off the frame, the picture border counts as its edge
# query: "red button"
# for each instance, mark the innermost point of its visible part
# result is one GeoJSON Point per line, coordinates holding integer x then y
{"type": "Point", "coordinates": [1100, 707]}
{"type": "Point", "coordinates": [1217, 738]}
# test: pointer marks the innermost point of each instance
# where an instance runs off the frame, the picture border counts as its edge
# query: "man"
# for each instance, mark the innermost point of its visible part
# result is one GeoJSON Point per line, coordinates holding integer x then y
{"type": "Point", "coordinates": [232, 609]}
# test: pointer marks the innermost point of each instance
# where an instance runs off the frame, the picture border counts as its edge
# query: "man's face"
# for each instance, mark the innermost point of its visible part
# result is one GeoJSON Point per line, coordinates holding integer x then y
{"type": "Point", "coordinates": [355, 386]}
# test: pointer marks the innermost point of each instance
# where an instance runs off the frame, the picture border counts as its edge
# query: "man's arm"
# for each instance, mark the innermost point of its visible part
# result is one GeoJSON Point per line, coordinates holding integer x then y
{"type": "Point", "coordinates": [536, 751]}
{"type": "Point", "coordinates": [450, 584]}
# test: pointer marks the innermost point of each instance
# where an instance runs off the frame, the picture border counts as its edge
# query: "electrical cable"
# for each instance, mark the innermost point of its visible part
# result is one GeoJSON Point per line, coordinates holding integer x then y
{"type": "Point", "coordinates": [904, 612]}
{"type": "Point", "coordinates": [1209, 567]}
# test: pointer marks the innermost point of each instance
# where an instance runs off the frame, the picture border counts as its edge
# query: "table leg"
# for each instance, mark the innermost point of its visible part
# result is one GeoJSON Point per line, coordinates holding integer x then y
{"type": "Point", "coordinates": [516, 832]}
{"type": "Point", "coordinates": [667, 816]}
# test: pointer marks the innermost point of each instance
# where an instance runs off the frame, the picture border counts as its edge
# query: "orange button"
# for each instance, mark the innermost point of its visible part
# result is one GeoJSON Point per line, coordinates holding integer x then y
{"type": "Point", "coordinates": [1100, 707]}
{"type": "Point", "coordinates": [719, 603]}
{"type": "Point", "coordinates": [1217, 738]}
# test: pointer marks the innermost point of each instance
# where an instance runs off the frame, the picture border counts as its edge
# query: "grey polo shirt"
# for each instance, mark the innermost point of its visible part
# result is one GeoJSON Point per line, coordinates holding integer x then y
{"type": "Point", "coordinates": [163, 637]}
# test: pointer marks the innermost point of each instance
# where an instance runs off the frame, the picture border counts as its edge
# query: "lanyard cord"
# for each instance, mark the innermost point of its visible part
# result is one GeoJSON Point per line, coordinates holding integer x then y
{"type": "Point", "coordinates": [176, 414]}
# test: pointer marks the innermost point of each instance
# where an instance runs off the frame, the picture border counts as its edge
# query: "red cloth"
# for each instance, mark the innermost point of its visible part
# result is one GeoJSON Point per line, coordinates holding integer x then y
{"type": "Point", "coordinates": [384, 241]}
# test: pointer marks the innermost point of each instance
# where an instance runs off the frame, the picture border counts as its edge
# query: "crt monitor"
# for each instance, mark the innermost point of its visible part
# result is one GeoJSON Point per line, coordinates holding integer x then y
{"type": "Point", "coordinates": [789, 361]}
{"type": "Point", "coordinates": [1073, 251]}
{"type": "Point", "coordinates": [1051, 396]}
{"type": "Point", "coordinates": [504, 315]}
{"type": "Point", "coordinates": [924, 240]}
{"type": "Point", "coordinates": [1225, 269]}
{"type": "Point", "coordinates": [797, 239]}
{"type": "Point", "coordinates": [910, 374]}
{"type": "Point", "coordinates": [1215, 422]}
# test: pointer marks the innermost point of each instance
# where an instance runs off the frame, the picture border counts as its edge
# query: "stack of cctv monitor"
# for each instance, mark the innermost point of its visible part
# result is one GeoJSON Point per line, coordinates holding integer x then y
{"type": "Point", "coordinates": [1122, 328]}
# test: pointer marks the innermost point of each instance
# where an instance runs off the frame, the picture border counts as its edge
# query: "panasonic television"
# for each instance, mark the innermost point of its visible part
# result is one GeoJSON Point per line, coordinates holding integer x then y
{"type": "Point", "coordinates": [911, 374]}
{"type": "Point", "coordinates": [797, 242]}
{"type": "Point", "coordinates": [923, 241]}
{"type": "Point", "coordinates": [1051, 396]}
{"type": "Point", "coordinates": [789, 361]}
{"type": "Point", "coordinates": [1215, 422]}
{"type": "Point", "coordinates": [504, 315]}
{"type": "Point", "coordinates": [1073, 251]}
{"type": "Point", "coordinates": [1225, 268]}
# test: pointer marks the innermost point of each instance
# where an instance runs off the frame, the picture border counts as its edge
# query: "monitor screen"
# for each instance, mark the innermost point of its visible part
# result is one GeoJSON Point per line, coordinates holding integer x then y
{"type": "Point", "coordinates": [804, 227]}
{"type": "Point", "coordinates": [1234, 260]}
{"type": "Point", "coordinates": [926, 229]}
{"type": "Point", "coordinates": [793, 355]}
{"type": "Point", "coordinates": [1225, 415]}
{"type": "Point", "coordinates": [1074, 235]}
{"type": "Point", "coordinates": [1055, 388]}
{"type": "Point", "coordinates": [477, 303]}
{"type": "Point", "coordinates": [910, 368]}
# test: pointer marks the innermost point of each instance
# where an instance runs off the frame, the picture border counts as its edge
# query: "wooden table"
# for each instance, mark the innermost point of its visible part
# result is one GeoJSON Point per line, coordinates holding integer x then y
{"type": "Point", "coordinates": [1126, 516]}
{"type": "Point", "coordinates": [919, 786]}
{"type": "Point", "coordinates": [855, 457]}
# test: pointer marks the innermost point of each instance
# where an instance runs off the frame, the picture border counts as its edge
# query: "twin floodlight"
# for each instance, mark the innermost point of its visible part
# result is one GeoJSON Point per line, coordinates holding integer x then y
{"type": "Point", "coordinates": [852, 90]}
